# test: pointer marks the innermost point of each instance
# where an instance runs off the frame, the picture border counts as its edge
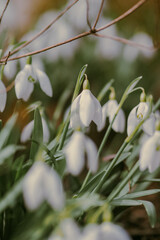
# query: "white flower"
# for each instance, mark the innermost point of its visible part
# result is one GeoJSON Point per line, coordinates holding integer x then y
{"type": "Point", "coordinates": [3, 96]}
{"type": "Point", "coordinates": [27, 131]}
{"type": "Point", "coordinates": [137, 114]}
{"type": "Point", "coordinates": [75, 153]}
{"type": "Point", "coordinates": [84, 109]}
{"type": "Point", "coordinates": [113, 232]}
{"type": "Point", "coordinates": [24, 82]}
{"type": "Point", "coordinates": [109, 109]}
{"type": "Point", "coordinates": [150, 153]}
{"type": "Point", "coordinates": [92, 231]}
{"type": "Point", "coordinates": [42, 183]}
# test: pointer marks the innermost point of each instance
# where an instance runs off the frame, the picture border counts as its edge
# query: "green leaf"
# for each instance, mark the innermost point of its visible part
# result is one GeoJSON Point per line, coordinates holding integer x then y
{"type": "Point", "coordinates": [132, 85]}
{"type": "Point", "coordinates": [6, 130]}
{"type": "Point", "coordinates": [151, 212]}
{"type": "Point", "coordinates": [37, 136]}
{"type": "Point", "coordinates": [141, 194]}
{"type": "Point", "coordinates": [79, 81]}
{"type": "Point", "coordinates": [10, 197]}
{"type": "Point", "coordinates": [17, 45]}
{"type": "Point", "coordinates": [104, 90]}
{"type": "Point", "coordinates": [149, 207]}
{"type": "Point", "coordinates": [8, 152]}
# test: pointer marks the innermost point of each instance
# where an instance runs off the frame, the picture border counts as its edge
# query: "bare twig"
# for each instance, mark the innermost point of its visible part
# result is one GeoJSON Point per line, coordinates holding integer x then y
{"type": "Point", "coordinates": [10, 86]}
{"type": "Point", "coordinates": [87, 13]}
{"type": "Point", "coordinates": [45, 29]}
{"type": "Point", "coordinates": [99, 13]}
{"type": "Point", "coordinates": [126, 41]}
{"type": "Point", "coordinates": [4, 10]}
{"type": "Point", "coordinates": [124, 15]}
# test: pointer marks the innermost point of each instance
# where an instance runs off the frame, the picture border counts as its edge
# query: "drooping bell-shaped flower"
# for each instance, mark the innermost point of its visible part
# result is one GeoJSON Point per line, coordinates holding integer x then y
{"type": "Point", "coordinates": [27, 131]}
{"type": "Point", "coordinates": [3, 96]}
{"type": "Point", "coordinates": [150, 153]}
{"type": "Point", "coordinates": [75, 151]}
{"type": "Point", "coordinates": [139, 113]}
{"type": "Point", "coordinates": [42, 183]}
{"type": "Point", "coordinates": [85, 108]}
{"type": "Point", "coordinates": [25, 79]}
{"type": "Point", "coordinates": [109, 109]}
{"type": "Point", "coordinates": [113, 232]}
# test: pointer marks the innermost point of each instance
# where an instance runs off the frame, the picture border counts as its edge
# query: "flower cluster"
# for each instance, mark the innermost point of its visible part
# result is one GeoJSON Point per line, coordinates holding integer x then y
{"type": "Point", "coordinates": [70, 231]}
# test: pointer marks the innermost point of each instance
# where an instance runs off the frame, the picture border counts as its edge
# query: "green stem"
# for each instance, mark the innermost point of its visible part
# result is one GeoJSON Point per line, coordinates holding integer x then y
{"type": "Point", "coordinates": [109, 169]}
{"type": "Point", "coordinates": [123, 183]}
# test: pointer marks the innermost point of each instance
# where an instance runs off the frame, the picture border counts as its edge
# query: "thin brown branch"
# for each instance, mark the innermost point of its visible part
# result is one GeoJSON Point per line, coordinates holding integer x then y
{"type": "Point", "coordinates": [4, 10]}
{"type": "Point", "coordinates": [126, 41]}
{"type": "Point", "coordinates": [99, 13]}
{"type": "Point", "coordinates": [44, 30]}
{"type": "Point", "coordinates": [87, 13]}
{"type": "Point", "coordinates": [124, 15]}
{"type": "Point", "coordinates": [10, 86]}
{"type": "Point", "coordinates": [50, 47]}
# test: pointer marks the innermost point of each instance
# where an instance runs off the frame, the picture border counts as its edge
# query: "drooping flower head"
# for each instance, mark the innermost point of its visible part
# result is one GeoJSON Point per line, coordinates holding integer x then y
{"type": "Point", "coordinates": [25, 79]}
{"type": "Point", "coordinates": [150, 151]}
{"type": "Point", "coordinates": [85, 108]}
{"type": "Point", "coordinates": [42, 183]}
{"type": "Point", "coordinates": [3, 96]}
{"type": "Point", "coordinates": [139, 113]}
{"type": "Point", "coordinates": [75, 151]}
{"type": "Point", "coordinates": [109, 109]}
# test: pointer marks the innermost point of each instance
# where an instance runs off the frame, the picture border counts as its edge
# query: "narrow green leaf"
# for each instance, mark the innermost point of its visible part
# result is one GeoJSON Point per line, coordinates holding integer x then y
{"type": "Point", "coordinates": [79, 81]}
{"type": "Point", "coordinates": [151, 212]}
{"type": "Point", "coordinates": [17, 45]}
{"type": "Point", "coordinates": [37, 136]}
{"type": "Point", "coordinates": [10, 197]}
{"type": "Point", "coordinates": [6, 130]}
{"type": "Point", "coordinates": [104, 90]}
{"type": "Point", "coordinates": [8, 152]}
{"type": "Point", "coordinates": [141, 194]}
{"type": "Point", "coordinates": [125, 202]}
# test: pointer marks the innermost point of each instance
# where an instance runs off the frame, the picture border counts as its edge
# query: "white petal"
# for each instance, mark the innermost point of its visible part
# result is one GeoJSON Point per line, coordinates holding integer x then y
{"type": "Point", "coordinates": [70, 229]}
{"type": "Point", "coordinates": [104, 115]}
{"type": "Point", "coordinates": [119, 122]}
{"type": "Point", "coordinates": [46, 133]}
{"type": "Point", "coordinates": [10, 69]}
{"type": "Point", "coordinates": [91, 151]}
{"type": "Point", "coordinates": [92, 232]}
{"type": "Point", "coordinates": [114, 232]}
{"type": "Point", "coordinates": [44, 82]}
{"type": "Point", "coordinates": [27, 131]}
{"type": "Point", "coordinates": [148, 154]}
{"type": "Point", "coordinates": [74, 153]}
{"type": "Point", "coordinates": [132, 121]}
{"type": "Point", "coordinates": [52, 188]}
{"type": "Point", "coordinates": [97, 118]}
{"type": "Point", "coordinates": [75, 121]}
{"type": "Point", "coordinates": [23, 87]}
{"type": "Point", "coordinates": [32, 186]}
{"type": "Point", "coordinates": [86, 107]}
{"type": "Point", "coordinates": [149, 125]}
{"type": "Point", "coordinates": [142, 110]}
{"type": "Point", "coordinates": [3, 96]}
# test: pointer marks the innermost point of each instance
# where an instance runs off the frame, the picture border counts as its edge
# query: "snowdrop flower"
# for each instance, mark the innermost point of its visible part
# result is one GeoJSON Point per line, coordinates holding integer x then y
{"type": "Point", "coordinates": [150, 153]}
{"type": "Point", "coordinates": [137, 114]}
{"type": "Point", "coordinates": [92, 231]}
{"type": "Point", "coordinates": [113, 232]}
{"type": "Point", "coordinates": [68, 231]}
{"type": "Point", "coordinates": [3, 96]}
{"type": "Point", "coordinates": [75, 153]}
{"type": "Point", "coordinates": [25, 79]}
{"type": "Point", "coordinates": [108, 110]}
{"type": "Point", "coordinates": [42, 183]}
{"type": "Point", "coordinates": [84, 109]}
{"type": "Point", "coordinates": [27, 131]}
